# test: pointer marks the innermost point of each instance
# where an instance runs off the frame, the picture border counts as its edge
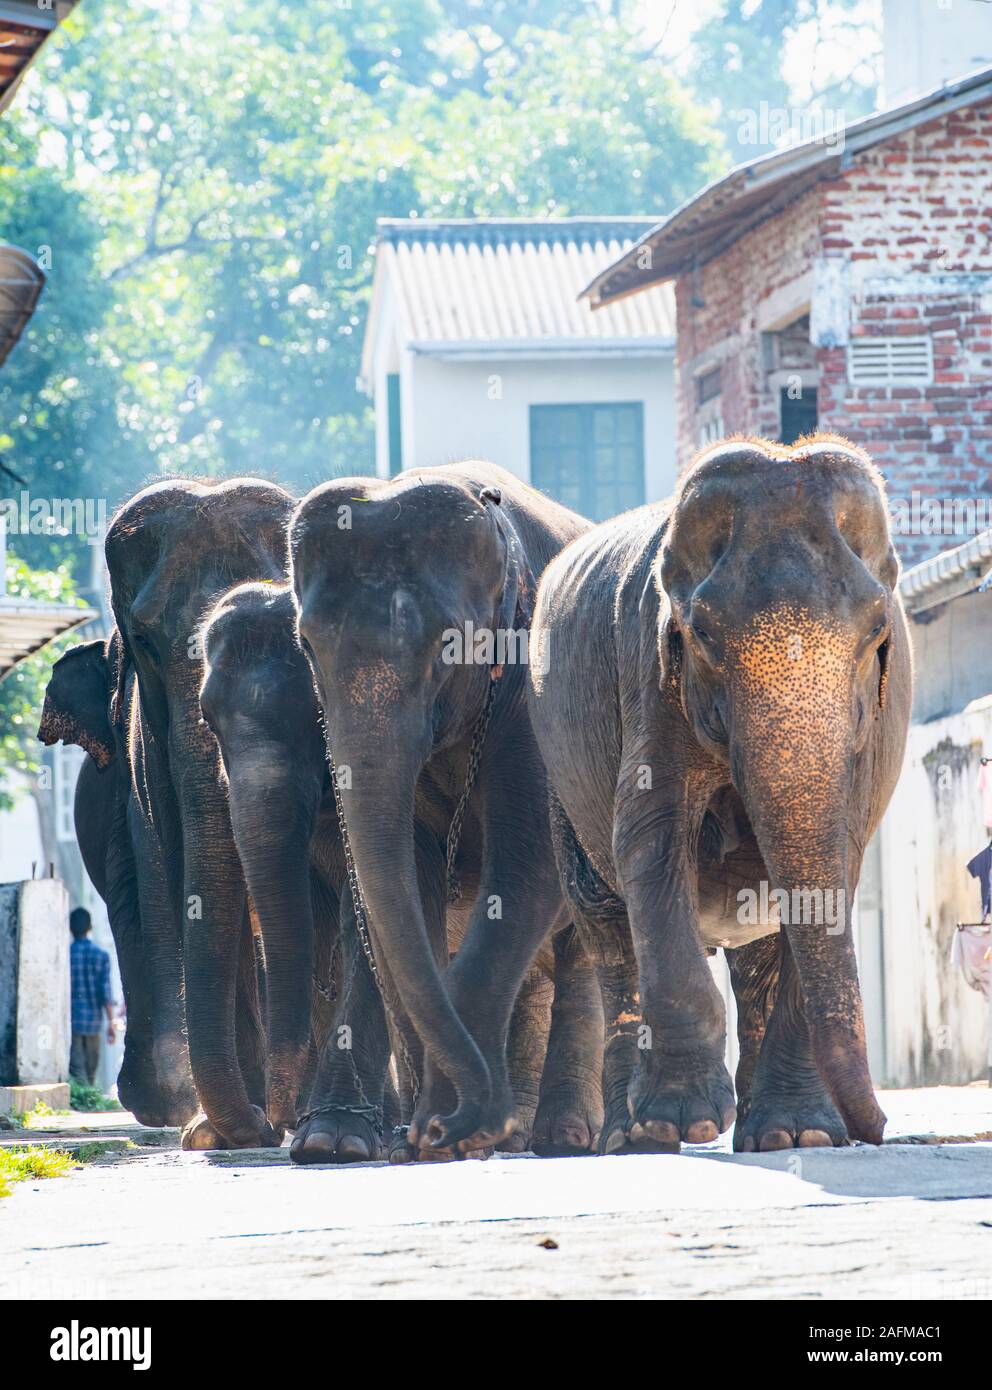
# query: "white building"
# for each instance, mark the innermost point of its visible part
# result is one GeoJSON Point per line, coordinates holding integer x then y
{"type": "Point", "coordinates": [477, 346]}
{"type": "Point", "coordinates": [929, 42]}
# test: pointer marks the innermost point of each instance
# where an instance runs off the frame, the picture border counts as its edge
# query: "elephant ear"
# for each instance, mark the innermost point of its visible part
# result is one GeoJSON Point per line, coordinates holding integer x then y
{"type": "Point", "coordinates": [76, 709]}
{"type": "Point", "coordinates": [515, 608]}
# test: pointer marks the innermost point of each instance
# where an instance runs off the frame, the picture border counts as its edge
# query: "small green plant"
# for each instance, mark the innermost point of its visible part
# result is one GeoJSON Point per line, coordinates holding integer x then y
{"type": "Point", "coordinates": [32, 1162]}
{"type": "Point", "coordinates": [85, 1097]}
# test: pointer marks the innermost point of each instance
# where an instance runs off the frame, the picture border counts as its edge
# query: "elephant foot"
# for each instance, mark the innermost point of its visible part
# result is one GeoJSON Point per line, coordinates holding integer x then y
{"type": "Point", "coordinates": [200, 1133]}
{"type": "Point", "coordinates": [568, 1123]}
{"type": "Point", "coordinates": [443, 1128]}
{"type": "Point", "coordinates": [400, 1150]}
{"type": "Point", "coordinates": [518, 1141]}
{"type": "Point", "coordinates": [661, 1121]}
{"type": "Point", "coordinates": [336, 1134]}
{"type": "Point", "coordinates": [471, 1132]}
{"type": "Point", "coordinates": [784, 1119]}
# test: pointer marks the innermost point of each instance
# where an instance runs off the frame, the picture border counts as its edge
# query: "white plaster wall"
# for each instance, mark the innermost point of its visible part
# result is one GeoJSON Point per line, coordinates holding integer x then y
{"type": "Point", "coordinates": [927, 42]}
{"type": "Point", "coordinates": [43, 1016]}
{"type": "Point", "coordinates": [20, 835]}
{"type": "Point", "coordinates": [458, 410]}
{"type": "Point", "coordinates": [936, 1028]}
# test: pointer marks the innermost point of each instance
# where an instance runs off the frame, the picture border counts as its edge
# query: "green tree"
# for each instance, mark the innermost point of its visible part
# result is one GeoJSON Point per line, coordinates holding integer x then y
{"type": "Point", "coordinates": [234, 160]}
{"type": "Point", "coordinates": [785, 55]}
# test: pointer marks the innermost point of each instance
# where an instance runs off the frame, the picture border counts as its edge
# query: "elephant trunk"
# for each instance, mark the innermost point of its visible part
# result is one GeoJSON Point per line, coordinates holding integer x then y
{"type": "Point", "coordinates": [792, 741]}
{"type": "Point", "coordinates": [272, 829]}
{"type": "Point", "coordinates": [213, 909]}
{"type": "Point", "coordinates": [377, 791]}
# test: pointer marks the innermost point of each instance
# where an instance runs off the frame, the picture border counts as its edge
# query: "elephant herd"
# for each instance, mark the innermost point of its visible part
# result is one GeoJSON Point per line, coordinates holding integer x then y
{"type": "Point", "coordinates": [418, 804]}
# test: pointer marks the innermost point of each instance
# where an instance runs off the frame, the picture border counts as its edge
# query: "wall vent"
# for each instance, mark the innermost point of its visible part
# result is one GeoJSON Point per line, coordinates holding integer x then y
{"type": "Point", "coordinates": [889, 361]}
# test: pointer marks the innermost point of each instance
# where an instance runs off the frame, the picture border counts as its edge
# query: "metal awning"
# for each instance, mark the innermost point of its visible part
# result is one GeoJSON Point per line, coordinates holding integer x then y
{"type": "Point", "coordinates": [21, 282]}
{"type": "Point", "coordinates": [24, 27]}
{"type": "Point", "coordinates": [26, 625]}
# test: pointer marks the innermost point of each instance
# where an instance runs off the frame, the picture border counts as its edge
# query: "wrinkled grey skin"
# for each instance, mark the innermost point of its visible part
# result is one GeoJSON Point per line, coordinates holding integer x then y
{"type": "Point", "coordinates": [259, 700]}
{"type": "Point", "coordinates": [154, 1081]}
{"type": "Point", "coordinates": [727, 702]}
{"type": "Point", "coordinates": [172, 550]}
{"type": "Point", "coordinates": [422, 555]}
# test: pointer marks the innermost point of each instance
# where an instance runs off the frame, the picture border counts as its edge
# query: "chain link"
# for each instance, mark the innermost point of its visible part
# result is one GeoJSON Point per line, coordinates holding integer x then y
{"type": "Point", "coordinates": [474, 759]}
{"type": "Point", "coordinates": [364, 936]}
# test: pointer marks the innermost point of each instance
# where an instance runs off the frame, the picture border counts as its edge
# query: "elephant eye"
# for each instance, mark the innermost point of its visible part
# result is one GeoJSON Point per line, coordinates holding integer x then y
{"type": "Point", "coordinates": [700, 632]}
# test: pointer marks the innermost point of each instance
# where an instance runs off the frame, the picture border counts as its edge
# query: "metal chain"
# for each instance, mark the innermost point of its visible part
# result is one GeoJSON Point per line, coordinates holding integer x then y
{"type": "Point", "coordinates": [474, 759]}
{"type": "Point", "coordinates": [361, 923]}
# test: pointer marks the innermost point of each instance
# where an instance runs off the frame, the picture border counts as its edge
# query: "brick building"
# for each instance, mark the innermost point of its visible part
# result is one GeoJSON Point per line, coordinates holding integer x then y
{"type": "Point", "coordinates": [846, 285]}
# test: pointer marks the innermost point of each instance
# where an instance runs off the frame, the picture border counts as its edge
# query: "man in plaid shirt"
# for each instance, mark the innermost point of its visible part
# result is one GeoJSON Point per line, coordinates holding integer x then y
{"type": "Point", "coordinates": [90, 974]}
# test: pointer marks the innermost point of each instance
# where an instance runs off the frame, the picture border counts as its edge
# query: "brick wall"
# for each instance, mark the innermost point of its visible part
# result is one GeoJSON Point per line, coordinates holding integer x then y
{"type": "Point", "coordinates": [912, 221]}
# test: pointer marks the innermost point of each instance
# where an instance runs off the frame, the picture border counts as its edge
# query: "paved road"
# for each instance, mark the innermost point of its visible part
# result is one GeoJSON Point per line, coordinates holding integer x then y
{"type": "Point", "coordinates": [905, 1221]}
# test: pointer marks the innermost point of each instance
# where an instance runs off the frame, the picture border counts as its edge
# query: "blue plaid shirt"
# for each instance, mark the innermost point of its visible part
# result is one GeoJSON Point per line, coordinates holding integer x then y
{"type": "Point", "coordinates": [89, 969]}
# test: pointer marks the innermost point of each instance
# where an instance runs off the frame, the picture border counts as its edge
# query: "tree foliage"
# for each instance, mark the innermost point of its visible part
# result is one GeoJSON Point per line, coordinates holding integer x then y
{"type": "Point", "coordinates": [208, 178]}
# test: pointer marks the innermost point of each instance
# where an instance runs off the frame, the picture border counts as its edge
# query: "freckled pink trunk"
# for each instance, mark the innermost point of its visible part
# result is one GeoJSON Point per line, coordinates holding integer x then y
{"type": "Point", "coordinates": [794, 774]}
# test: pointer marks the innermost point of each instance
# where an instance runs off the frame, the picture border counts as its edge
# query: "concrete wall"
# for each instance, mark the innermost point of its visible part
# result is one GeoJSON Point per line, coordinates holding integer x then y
{"type": "Point", "coordinates": [935, 1027]}
{"type": "Point", "coordinates": [952, 656]}
{"type": "Point", "coordinates": [927, 42]}
{"type": "Point", "coordinates": [34, 983]}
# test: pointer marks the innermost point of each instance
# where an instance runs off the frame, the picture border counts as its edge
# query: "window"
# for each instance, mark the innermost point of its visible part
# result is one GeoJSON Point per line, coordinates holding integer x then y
{"type": "Point", "coordinates": [708, 386]}
{"type": "Point", "coordinates": [890, 361]}
{"type": "Point", "coordinates": [798, 413]}
{"type": "Point", "coordinates": [394, 424]}
{"type": "Point", "coordinates": [589, 457]}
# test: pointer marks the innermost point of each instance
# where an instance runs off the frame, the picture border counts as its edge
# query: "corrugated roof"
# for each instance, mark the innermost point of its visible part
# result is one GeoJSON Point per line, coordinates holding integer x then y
{"type": "Point", "coordinates": [484, 287]}
{"type": "Point", "coordinates": [24, 27]}
{"type": "Point", "coordinates": [27, 625]}
{"type": "Point", "coordinates": [948, 575]}
{"type": "Point", "coordinates": [751, 193]}
{"type": "Point", "coordinates": [21, 282]}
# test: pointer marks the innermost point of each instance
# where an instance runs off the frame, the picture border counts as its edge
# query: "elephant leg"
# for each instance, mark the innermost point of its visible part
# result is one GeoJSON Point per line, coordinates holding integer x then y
{"type": "Point", "coordinates": [680, 1090]}
{"type": "Point", "coordinates": [570, 1113]}
{"type": "Point", "coordinates": [790, 1105]}
{"type": "Point", "coordinates": [344, 1119]}
{"type": "Point", "coordinates": [172, 1098]}
{"type": "Point", "coordinates": [526, 1046]}
{"type": "Point", "coordinates": [754, 974]}
{"type": "Point", "coordinates": [517, 903]}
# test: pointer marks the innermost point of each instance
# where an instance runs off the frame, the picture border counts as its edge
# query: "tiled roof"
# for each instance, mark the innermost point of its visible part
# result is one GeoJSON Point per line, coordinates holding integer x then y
{"type": "Point", "coordinates": [21, 282]}
{"type": "Point", "coordinates": [512, 284]}
{"type": "Point", "coordinates": [24, 27]}
{"type": "Point", "coordinates": [948, 575]}
{"type": "Point", "coordinates": [751, 193]}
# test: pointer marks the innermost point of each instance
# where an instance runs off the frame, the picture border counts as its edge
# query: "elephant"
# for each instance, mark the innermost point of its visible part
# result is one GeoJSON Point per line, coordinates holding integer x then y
{"type": "Point", "coordinates": [258, 698]}
{"type": "Point", "coordinates": [172, 550]}
{"type": "Point", "coordinates": [723, 712]}
{"type": "Point", "coordinates": [413, 599]}
{"type": "Point", "coordinates": [154, 1081]}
